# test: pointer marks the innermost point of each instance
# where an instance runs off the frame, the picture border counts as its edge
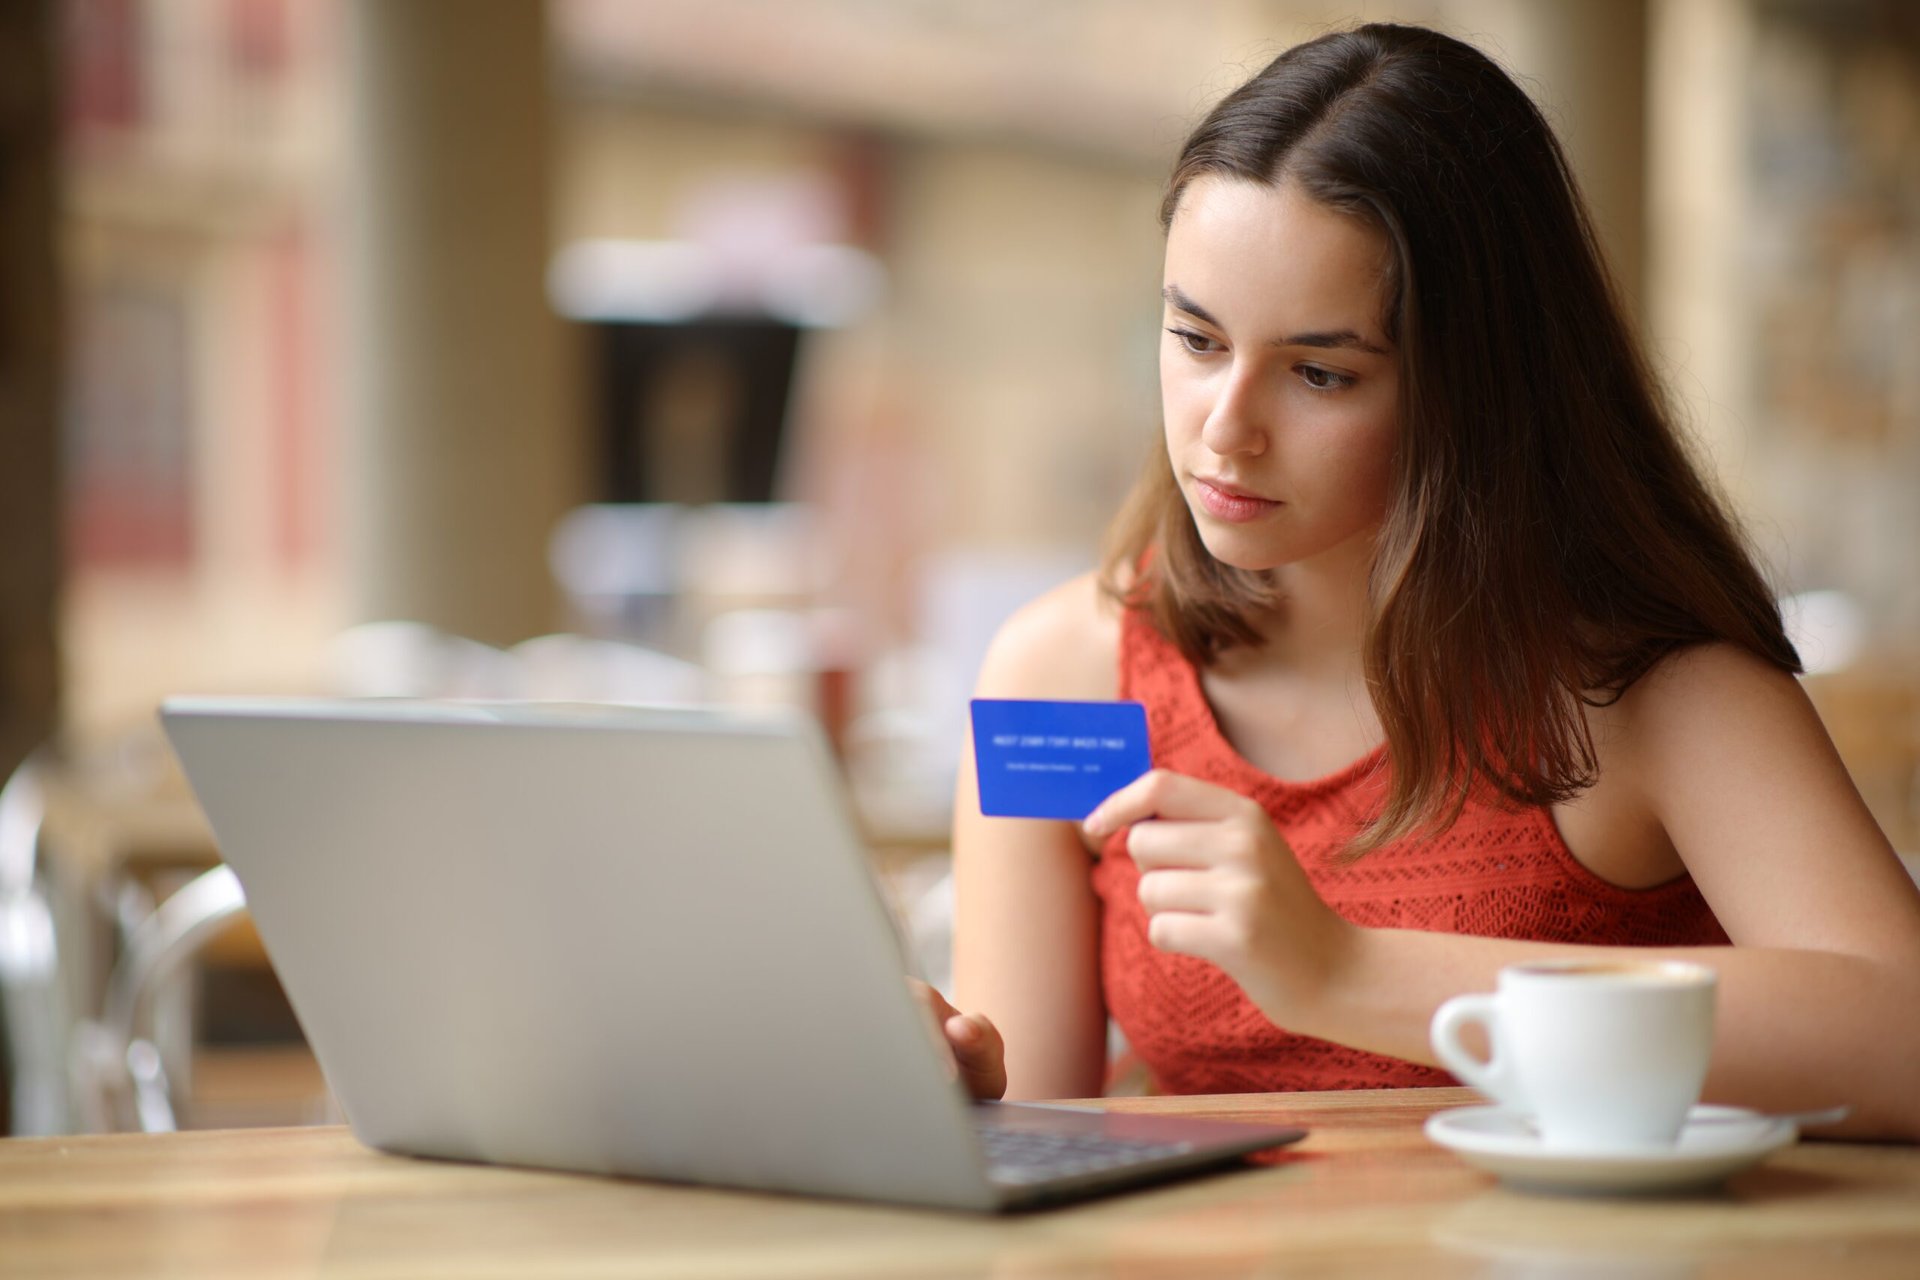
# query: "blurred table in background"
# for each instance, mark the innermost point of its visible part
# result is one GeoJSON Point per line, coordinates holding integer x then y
{"type": "Point", "coordinates": [1872, 712]}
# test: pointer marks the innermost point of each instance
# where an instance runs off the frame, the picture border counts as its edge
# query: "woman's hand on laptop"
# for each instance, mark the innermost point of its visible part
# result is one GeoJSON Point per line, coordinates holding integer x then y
{"type": "Point", "coordinates": [978, 1052]}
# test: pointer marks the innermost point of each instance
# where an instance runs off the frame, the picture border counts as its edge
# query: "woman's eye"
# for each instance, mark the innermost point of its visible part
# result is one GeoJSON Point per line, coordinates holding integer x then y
{"type": "Point", "coordinates": [1323, 379]}
{"type": "Point", "coordinates": [1198, 343]}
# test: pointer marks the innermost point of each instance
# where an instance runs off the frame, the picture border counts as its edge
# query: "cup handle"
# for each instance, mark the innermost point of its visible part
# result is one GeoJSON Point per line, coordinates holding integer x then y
{"type": "Point", "coordinates": [1494, 1077]}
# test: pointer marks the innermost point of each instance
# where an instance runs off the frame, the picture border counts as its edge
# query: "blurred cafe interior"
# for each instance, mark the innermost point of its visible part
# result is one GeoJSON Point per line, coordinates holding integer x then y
{"type": "Point", "coordinates": [745, 351]}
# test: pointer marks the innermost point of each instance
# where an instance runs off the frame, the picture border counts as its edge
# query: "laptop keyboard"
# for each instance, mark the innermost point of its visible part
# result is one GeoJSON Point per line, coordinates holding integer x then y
{"type": "Point", "coordinates": [1021, 1156]}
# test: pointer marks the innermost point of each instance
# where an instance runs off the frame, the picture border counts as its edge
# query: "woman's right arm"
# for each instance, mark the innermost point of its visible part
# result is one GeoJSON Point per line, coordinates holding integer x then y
{"type": "Point", "coordinates": [1026, 949]}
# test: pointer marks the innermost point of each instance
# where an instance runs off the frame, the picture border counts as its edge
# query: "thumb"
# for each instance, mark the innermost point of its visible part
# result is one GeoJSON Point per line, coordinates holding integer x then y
{"type": "Point", "coordinates": [980, 1053]}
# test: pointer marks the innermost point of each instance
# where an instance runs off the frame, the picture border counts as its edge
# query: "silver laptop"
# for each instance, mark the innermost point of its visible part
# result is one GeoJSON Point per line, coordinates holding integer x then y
{"type": "Point", "coordinates": [625, 941]}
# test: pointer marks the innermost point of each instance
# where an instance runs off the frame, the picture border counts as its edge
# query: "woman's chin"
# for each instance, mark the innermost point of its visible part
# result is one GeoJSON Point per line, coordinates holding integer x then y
{"type": "Point", "coordinates": [1239, 552]}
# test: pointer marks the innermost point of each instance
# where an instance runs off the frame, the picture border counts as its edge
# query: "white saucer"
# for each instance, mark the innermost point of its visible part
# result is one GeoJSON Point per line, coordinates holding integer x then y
{"type": "Point", "coordinates": [1716, 1143]}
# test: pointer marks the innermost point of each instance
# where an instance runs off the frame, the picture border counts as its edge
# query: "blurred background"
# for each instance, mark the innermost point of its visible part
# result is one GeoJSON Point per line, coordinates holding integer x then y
{"type": "Point", "coordinates": [752, 351]}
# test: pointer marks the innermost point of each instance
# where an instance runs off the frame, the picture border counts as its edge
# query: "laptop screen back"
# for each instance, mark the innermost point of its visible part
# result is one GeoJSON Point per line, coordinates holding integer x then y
{"type": "Point", "coordinates": [624, 941]}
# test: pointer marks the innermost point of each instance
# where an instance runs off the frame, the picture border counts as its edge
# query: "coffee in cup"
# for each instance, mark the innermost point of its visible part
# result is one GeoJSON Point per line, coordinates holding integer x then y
{"type": "Point", "coordinates": [1604, 1054]}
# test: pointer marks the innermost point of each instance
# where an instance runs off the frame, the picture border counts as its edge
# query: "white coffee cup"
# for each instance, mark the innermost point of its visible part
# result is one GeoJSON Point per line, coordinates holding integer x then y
{"type": "Point", "coordinates": [1605, 1055]}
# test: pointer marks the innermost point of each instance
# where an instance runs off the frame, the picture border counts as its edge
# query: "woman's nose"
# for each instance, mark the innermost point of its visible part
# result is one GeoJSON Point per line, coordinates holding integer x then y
{"type": "Point", "coordinates": [1238, 423]}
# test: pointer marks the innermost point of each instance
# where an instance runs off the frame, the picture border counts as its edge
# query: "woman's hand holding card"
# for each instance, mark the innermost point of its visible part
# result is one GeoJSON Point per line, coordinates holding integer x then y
{"type": "Point", "coordinates": [1220, 883]}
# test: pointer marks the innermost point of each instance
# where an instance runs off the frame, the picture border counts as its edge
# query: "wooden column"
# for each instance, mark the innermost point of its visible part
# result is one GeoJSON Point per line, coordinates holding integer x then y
{"type": "Point", "coordinates": [29, 361]}
{"type": "Point", "coordinates": [462, 448]}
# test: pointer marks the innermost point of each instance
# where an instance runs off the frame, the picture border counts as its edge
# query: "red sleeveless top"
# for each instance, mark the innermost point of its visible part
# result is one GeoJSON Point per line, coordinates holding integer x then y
{"type": "Point", "coordinates": [1497, 872]}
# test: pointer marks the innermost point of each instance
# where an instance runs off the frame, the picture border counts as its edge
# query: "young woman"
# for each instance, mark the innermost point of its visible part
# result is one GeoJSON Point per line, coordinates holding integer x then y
{"type": "Point", "coordinates": [1451, 660]}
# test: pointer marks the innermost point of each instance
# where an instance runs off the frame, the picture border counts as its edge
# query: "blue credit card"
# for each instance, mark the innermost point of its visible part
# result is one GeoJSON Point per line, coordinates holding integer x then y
{"type": "Point", "coordinates": [1055, 759]}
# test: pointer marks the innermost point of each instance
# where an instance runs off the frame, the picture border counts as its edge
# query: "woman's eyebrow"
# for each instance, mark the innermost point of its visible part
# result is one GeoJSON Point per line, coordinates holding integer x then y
{"type": "Point", "coordinates": [1179, 301]}
{"type": "Point", "coordinates": [1330, 338]}
{"type": "Point", "coordinates": [1326, 338]}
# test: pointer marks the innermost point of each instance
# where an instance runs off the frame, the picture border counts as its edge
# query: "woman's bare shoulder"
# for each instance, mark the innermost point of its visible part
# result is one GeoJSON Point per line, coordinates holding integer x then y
{"type": "Point", "coordinates": [1064, 644]}
{"type": "Point", "coordinates": [1719, 678]}
{"type": "Point", "coordinates": [1703, 707]}
{"type": "Point", "coordinates": [1688, 752]}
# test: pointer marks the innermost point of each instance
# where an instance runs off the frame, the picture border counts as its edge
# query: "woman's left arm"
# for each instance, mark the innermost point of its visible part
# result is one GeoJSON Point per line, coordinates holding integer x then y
{"type": "Point", "coordinates": [1819, 997]}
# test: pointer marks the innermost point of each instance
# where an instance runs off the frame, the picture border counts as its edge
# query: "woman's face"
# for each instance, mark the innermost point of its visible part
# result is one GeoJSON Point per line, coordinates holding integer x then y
{"type": "Point", "coordinates": [1279, 387]}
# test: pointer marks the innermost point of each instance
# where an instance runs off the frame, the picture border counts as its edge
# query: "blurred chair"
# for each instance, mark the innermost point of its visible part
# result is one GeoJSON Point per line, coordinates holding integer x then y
{"type": "Point", "coordinates": [86, 1057]}
{"type": "Point", "coordinates": [120, 1075]}
{"type": "Point", "coordinates": [33, 1013]}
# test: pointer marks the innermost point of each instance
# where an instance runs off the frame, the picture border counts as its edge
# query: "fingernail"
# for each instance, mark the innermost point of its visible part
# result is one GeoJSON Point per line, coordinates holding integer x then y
{"type": "Point", "coordinates": [966, 1031]}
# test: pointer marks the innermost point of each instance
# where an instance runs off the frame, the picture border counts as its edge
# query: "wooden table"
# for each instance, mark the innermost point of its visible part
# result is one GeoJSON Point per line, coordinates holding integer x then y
{"type": "Point", "coordinates": [1364, 1195]}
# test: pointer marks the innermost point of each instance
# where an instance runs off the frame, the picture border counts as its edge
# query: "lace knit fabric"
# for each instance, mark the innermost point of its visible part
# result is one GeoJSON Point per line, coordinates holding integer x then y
{"type": "Point", "coordinates": [1497, 872]}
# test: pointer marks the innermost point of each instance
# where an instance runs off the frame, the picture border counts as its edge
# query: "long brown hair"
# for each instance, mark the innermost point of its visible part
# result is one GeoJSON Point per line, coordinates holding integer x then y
{"type": "Point", "coordinates": [1547, 540]}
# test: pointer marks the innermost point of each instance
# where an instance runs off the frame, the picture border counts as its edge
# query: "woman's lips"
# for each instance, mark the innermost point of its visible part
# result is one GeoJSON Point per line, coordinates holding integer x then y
{"type": "Point", "coordinates": [1230, 505]}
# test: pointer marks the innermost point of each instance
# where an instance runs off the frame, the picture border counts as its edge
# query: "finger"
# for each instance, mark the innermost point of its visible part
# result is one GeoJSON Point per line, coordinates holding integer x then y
{"type": "Point", "coordinates": [1185, 933]}
{"type": "Point", "coordinates": [973, 1035]}
{"type": "Point", "coordinates": [935, 1004]}
{"type": "Point", "coordinates": [1159, 842]}
{"type": "Point", "coordinates": [1162, 793]}
{"type": "Point", "coordinates": [981, 1053]}
{"type": "Point", "coordinates": [1177, 890]}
